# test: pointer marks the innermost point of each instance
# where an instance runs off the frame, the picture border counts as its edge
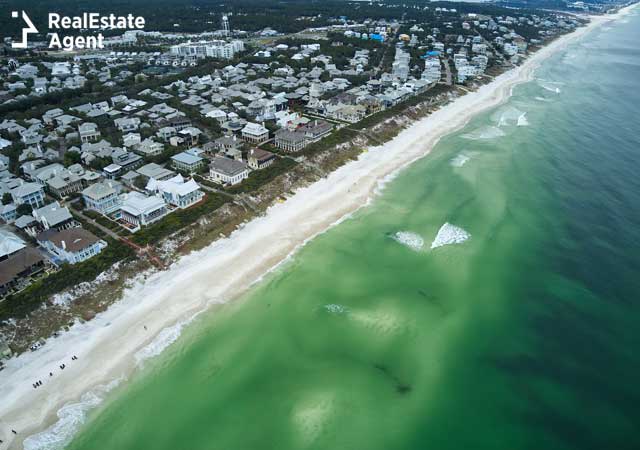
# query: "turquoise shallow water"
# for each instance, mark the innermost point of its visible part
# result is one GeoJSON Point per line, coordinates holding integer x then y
{"type": "Point", "coordinates": [524, 336]}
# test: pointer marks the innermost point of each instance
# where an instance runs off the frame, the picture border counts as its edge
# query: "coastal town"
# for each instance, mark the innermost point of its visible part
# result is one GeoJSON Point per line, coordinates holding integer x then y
{"type": "Point", "coordinates": [120, 157]}
{"type": "Point", "coordinates": [356, 215]}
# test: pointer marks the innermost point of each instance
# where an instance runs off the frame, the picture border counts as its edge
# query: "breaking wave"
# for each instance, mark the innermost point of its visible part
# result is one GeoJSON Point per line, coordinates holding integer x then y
{"type": "Point", "coordinates": [486, 133]}
{"type": "Point", "coordinates": [336, 309]}
{"type": "Point", "coordinates": [449, 234]}
{"type": "Point", "coordinates": [160, 343]}
{"type": "Point", "coordinates": [70, 418]}
{"type": "Point", "coordinates": [522, 120]}
{"type": "Point", "coordinates": [73, 415]}
{"type": "Point", "coordinates": [550, 86]}
{"type": "Point", "coordinates": [507, 116]}
{"type": "Point", "coordinates": [409, 239]}
{"type": "Point", "coordinates": [460, 160]}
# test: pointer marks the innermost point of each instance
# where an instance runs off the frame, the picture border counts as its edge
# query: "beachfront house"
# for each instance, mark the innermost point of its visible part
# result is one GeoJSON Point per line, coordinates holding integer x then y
{"type": "Point", "coordinates": [290, 141]}
{"type": "Point", "coordinates": [227, 171]}
{"type": "Point", "coordinates": [138, 210]}
{"type": "Point", "coordinates": [176, 191]}
{"type": "Point", "coordinates": [16, 268]}
{"type": "Point", "coordinates": [72, 245]}
{"type": "Point", "coordinates": [316, 130]}
{"type": "Point", "coordinates": [259, 159]}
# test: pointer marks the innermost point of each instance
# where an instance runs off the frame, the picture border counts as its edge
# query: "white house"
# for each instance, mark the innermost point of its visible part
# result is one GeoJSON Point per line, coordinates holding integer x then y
{"type": "Point", "coordinates": [149, 147]}
{"type": "Point", "coordinates": [102, 197]}
{"type": "Point", "coordinates": [187, 162]}
{"type": "Point", "coordinates": [254, 133]}
{"type": "Point", "coordinates": [72, 245]}
{"type": "Point", "coordinates": [138, 210]}
{"type": "Point", "coordinates": [28, 193]}
{"type": "Point", "coordinates": [54, 216]}
{"type": "Point", "coordinates": [89, 132]}
{"type": "Point", "coordinates": [176, 191]}
{"type": "Point", "coordinates": [127, 124]}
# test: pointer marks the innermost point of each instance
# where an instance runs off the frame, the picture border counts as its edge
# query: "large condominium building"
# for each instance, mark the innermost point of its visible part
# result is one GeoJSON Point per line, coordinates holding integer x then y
{"type": "Point", "coordinates": [210, 49]}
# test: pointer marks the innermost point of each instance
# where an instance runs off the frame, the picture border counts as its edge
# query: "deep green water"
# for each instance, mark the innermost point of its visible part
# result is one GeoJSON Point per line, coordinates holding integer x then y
{"type": "Point", "coordinates": [526, 336]}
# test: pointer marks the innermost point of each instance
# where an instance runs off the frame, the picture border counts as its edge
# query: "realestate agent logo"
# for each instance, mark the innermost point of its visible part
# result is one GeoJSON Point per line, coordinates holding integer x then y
{"type": "Point", "coordinates": [30, 28]}
{"type": "Point", "coordinates": [78, 32]}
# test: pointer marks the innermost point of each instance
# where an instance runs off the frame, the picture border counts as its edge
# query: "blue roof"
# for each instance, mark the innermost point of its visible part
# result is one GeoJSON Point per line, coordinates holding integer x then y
{"type": "Point", "coordinates": [431, 54]}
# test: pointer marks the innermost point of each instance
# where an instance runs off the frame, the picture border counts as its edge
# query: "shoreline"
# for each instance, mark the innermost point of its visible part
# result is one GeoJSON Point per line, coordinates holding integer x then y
{"type": "Point", "coordinates": [109, 347]}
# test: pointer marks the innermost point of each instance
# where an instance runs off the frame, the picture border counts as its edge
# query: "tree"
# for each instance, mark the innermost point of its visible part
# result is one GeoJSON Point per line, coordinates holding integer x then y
{"type": "Point", "coordinates": [6, 198]}
{"type": "Point", "coordinates": [140, 182]}
{"type": "Point", "coordinates": [99, 163]}
{"type": "Point", "coordinates": [24, 210]}
{"type": "Point", "coordinates": [71, 158]}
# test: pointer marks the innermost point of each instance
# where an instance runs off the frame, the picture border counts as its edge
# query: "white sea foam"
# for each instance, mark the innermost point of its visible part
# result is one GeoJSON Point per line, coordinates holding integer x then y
{"type": "Point", "coordinates": [412, 240]}
{"type": "Point", "coordinates": [522, 120]}
{"type": "Point", "coordinates": [551, 86]}
{"type": "Point", "coordinates": [506, 116]}
{"type": "Point", "coordinates": [162, 341]}
{"type": "Point", "coordinates": [486, 133]}
{"type": "Point", "coordinates": [70, 418]}
{"type": "Point", "coordinates": [336, 309]}
{"type": "Point", "coordinates": [449, 234]}
{"type": "Point", "coordinates": [460, 160]}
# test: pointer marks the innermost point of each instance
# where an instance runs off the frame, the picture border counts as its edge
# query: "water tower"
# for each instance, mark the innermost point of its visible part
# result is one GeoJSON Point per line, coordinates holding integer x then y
{"type": "Point", "coordinates": [225, 25]}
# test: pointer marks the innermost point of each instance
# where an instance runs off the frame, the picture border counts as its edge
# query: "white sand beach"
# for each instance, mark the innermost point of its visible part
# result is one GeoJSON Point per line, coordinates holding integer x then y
{"type": "Point", "coordinates": [107, 346]}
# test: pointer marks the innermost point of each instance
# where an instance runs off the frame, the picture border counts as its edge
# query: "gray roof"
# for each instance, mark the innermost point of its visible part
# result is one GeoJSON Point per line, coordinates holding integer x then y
{"type": "Point", "coordinates": [62, 180]}
{"type": "Point", "coordinates": [9, 243]}
{"type": "Point", "coordinates": [53, 214]}
{"type": "Point", "coordinates": [227, 166]}
{"type": "Point", "coordinates": [153, 170]}
{"type": "Point", "coordinates": [293, 136]}
{"type": "Point", "coordinates": [24, 221]}
{"type": "Point", "coordinates": [186, 158]}
{"type": "Point", "coordinates": [26, 189]}
{"type": "Point", "coordinates": [100, 190]}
